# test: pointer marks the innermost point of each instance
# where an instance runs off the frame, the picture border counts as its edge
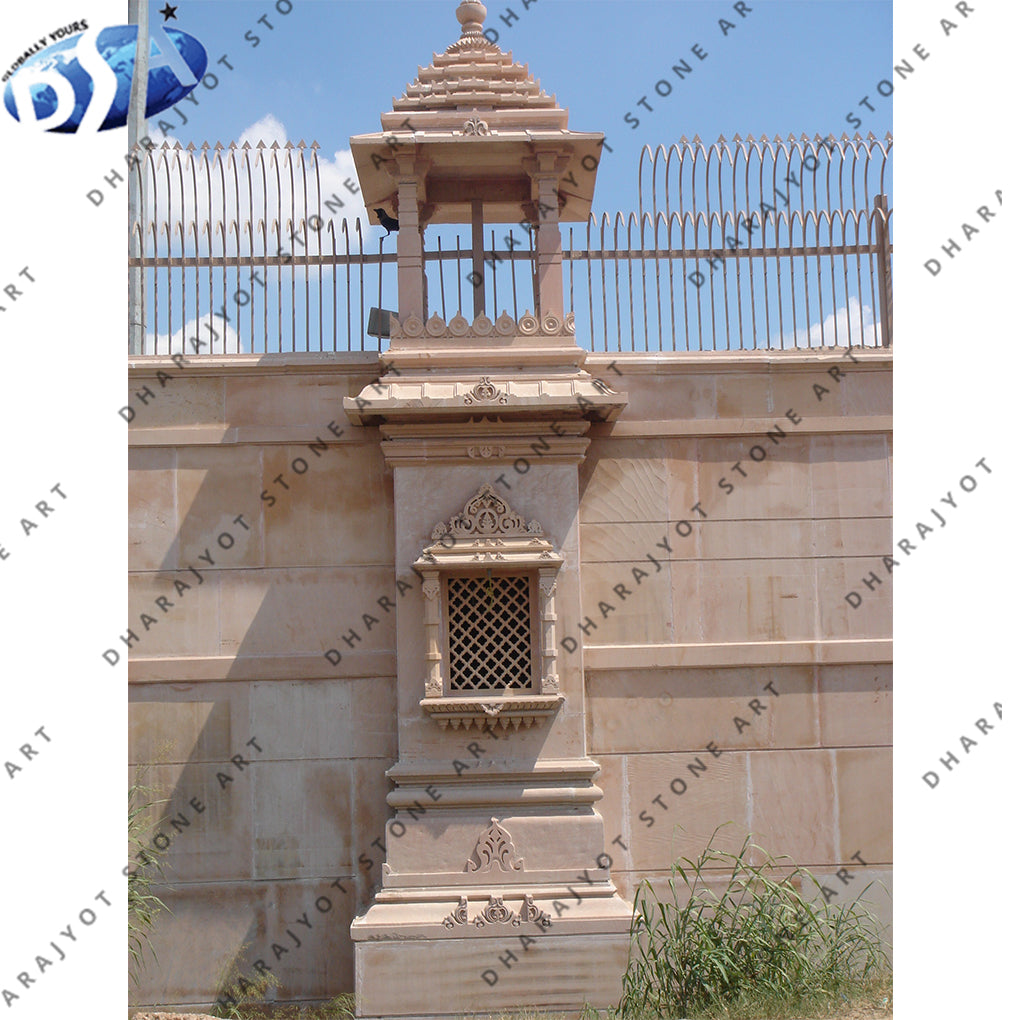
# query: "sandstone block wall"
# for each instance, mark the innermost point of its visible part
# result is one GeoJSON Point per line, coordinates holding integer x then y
{"type": "Point", "coordinates": [273, 757]}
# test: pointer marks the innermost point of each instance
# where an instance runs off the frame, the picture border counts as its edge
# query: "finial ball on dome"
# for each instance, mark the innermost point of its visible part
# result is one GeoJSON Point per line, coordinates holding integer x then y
{"type": "Point", "coordinates": [471, 15]}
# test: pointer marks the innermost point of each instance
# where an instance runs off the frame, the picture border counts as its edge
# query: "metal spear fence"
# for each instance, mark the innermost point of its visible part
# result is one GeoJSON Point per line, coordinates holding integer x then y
{"type": "Point", "coordinates": [752, 245]}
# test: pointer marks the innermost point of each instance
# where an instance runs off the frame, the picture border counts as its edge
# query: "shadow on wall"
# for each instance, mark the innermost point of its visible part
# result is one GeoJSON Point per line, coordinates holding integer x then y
{"type": "Point", "coordinates": [272, 757]}
{"type": "Point", "coordinates": [273, 761]}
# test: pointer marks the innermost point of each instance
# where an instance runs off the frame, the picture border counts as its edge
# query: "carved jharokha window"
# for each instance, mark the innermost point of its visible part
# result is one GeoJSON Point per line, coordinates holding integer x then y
{"type": "Point", "coordinates": [490, 632]}
{"type": "Point", "coordinates": [489, 582]}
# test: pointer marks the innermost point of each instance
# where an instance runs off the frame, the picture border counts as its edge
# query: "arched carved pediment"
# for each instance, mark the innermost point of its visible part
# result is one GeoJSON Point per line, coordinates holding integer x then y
{"type": "Point", "coordinates": [484, 515]}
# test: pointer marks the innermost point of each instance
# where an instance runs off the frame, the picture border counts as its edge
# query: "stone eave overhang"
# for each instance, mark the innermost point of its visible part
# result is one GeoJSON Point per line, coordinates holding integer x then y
{"type": "Point", "coordinates": [450, 157]}
{"type": "Point", "coordinates": [404, 401]}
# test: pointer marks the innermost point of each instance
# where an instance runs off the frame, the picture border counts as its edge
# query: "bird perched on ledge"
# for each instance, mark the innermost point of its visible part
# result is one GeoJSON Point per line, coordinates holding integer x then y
{"type": "Point", "coordinates": [387, 221]}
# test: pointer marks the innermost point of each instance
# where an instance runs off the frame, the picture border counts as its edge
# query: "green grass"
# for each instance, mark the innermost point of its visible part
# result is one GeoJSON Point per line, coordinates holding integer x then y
{"type": "Point", "coordinates": [757, 948]}
{"type": "Point", "coordinates": [728, 939]}
{"type": "Point", "coordinates": [340, 1008]}
{"type": "Point", "coordinates": [144, 906]}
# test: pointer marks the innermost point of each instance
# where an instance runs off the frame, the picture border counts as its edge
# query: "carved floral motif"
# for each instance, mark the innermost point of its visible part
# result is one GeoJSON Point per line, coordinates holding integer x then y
{"type": "Point", "coordinates": [484, 392]}
{"type": "Point", "coordinates": [459, 916]}
{"type": "Point", "coordinates": [485, 452]}
{"type": "Point", "coordinates": [459, 326]}
{"type": "Point", "coordinates": [486, 513]}
{"type": "Point", "coordinates": [495, 849]}
{"type": "Point", "coordinates": [498, 913]}
{"type": "Point", "coordinates": [505, 325]}
{"type": "Point", "coordinates": [481, 326]}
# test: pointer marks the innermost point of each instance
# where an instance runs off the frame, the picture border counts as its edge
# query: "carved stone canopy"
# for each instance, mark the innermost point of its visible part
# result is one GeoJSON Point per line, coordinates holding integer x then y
{"type": "Point", "coordinates": [474, 114]}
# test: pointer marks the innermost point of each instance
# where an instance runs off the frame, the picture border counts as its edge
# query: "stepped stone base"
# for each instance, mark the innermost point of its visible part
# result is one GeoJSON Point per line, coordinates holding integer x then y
{"type": "Point", "coordinates": [513, 968]}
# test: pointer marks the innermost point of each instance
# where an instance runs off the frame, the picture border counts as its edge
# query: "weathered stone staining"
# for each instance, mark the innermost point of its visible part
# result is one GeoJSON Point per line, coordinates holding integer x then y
{"type": "Point", "coordinates": [181, 818]}
{"type": "Point", "coordinates": [186, 581]}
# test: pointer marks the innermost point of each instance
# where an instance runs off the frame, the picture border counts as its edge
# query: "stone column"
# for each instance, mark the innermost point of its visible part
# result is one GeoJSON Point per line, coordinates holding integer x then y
{"type": "Point", "coordinates": [545, 170]}
{"type": "Point", "coordinates": [410, 263]}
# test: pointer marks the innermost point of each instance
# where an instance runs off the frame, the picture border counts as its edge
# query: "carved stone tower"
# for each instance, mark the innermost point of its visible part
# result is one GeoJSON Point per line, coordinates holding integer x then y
{"type": "Point", "coordinates": [496, 842]}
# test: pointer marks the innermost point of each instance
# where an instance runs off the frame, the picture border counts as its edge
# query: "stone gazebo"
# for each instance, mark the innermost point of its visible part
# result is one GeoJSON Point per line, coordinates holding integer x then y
{"type": "Point", "coordinates": [492, 895]}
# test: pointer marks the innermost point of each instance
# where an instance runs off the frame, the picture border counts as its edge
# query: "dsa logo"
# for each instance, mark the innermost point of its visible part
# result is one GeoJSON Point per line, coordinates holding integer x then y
{"type": "Point", "coordinates": [83, 82]}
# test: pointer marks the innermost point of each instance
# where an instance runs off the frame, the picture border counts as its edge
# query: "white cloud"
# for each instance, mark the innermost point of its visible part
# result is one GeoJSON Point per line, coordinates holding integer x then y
{"type": "Point", "coordinates": [841, 328]}
{"type": "Point", "coordinates": [267, 130]}
{"type": "Point", "coordinates": [218, 337]}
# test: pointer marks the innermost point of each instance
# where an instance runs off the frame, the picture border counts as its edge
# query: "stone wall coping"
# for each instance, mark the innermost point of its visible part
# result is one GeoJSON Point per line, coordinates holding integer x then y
{"type": "Point", "coordinates": [632, 362]}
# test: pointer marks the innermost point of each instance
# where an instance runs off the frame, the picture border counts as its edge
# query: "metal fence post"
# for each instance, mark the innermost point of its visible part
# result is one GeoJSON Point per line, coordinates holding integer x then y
{"type": "Point", "coordinates": [881, 215]}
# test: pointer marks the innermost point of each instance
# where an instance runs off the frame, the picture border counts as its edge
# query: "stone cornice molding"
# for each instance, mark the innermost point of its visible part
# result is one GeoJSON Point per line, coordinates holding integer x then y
{"type": "Point", "coordinates": [485, 441]}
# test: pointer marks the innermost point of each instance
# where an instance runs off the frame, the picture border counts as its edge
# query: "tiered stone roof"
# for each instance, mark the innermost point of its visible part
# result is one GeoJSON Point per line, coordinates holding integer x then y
{"type": "Point", "coordinates": [475, 122]}
{"type": "Point", "coordinates": [474, 79]}
{"type": "Point", "coordinates": [476, 75]}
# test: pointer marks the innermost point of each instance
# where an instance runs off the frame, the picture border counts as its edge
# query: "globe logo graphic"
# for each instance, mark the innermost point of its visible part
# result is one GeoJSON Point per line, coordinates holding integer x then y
{"type": "Point", "coordinates": [59, 84]}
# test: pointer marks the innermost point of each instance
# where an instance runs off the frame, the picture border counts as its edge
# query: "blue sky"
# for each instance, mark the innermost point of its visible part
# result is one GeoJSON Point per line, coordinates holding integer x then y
{"type": "Point", "coordinates": [324, 70]}
{"type": "Point", "coordinates": [328, 68]}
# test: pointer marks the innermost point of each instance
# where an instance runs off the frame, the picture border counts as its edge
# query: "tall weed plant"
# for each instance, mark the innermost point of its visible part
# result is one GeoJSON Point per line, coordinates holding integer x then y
{"type": "Point", "coordinates": [754, 945]}
{"type": "Point", "coordinates": [144, 906]}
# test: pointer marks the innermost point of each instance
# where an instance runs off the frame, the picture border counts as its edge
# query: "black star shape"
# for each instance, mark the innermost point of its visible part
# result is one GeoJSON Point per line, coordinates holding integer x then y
{"type": "Point", "coordinates": [168, 12]}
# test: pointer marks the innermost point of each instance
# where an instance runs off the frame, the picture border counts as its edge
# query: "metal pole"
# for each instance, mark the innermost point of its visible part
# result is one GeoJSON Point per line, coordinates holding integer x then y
{"type": "Point", "coordinates": [881, 215]}
{"type": "Point", "coordinates": [478, 255]}
{"type": "Point", "coordinates": [138, 14]}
